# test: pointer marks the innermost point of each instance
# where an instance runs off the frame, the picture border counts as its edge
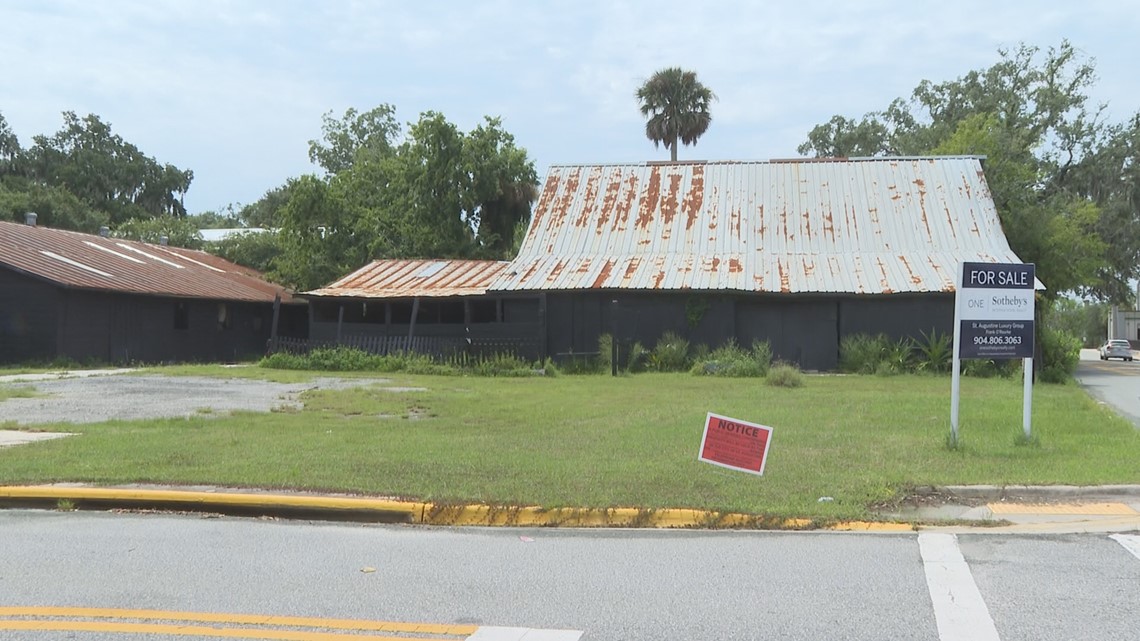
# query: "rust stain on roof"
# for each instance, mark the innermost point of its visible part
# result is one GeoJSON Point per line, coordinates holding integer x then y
{"type": "Point", "coordinates": [592, 186]}
{"type": "Point", "coordinates": [914, 278]}
{"type": "Point", "coordinates": [398, 278]}
{"type": "Point", "coordinates": [694, 200]}
{"type": "Point", "coordinates": [609, 200]}
{"type": "Point", "coordinates": [921, 185]}
{"type": "Point", "coordinates": [545, 200]}
{"type": "Point", "coordinates": [604, 274]}
{"type": "Point", "coordinates": [669, 202]}
{"type": "Point", "coordinates": [858, 207]}
{"type": "Point", "coordinates": [649, 200]}
{"type": "Point", "coordinates": [621, 220]}
{"type": "Point", "coordinates": [809, 267]}
{"type": "Point", "coordinates": [884, 278]}
{"type": "Point", "coordinates": [556, 272]}
{"type": "Point", "coordinates": [558, 216]}
{"type": "Point", "coordinates": [631, 269]}
{"type": "Point", "coordinates": [584, 266]}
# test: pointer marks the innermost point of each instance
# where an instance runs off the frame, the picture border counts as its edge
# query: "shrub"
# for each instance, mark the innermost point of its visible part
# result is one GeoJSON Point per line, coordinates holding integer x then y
{"type": "Point", "coordinates": [762, 354]}
{"type": "Point", "coordinates": [785, 375]}
{"type": "Point", "coordinates": [861, 353]}
{"type": "Point", "coordinates": [503, 365]}
{"type": "Point", "coordinates": [731, 360]}
{"type": "Point", "coordinates": [639, 358]}
{"type": "Point", "coordinates": [935, 352]}
{"type": "Point", "coordinates": [671, 354]}
{"type": "Point", "coordinates": [605, 353]}
{"type": "Point", "coordinates": [1060, 353]}
{"type": "Point", "coordinates": [982, 368]}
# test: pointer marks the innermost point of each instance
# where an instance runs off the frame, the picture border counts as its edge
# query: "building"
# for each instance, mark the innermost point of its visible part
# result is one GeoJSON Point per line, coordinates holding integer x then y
{"type": "Point", "coordinates": [84, 297]}
{"type": "Point", "coordinates": [436, 306]}
{"type": "Point", "coordinates": [801, 253]}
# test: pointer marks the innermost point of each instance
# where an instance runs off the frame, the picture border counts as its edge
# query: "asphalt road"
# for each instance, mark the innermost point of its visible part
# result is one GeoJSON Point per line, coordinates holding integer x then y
{"type": "Point", "coordinates": [1114, 383]}
{"type": "Point", "coordinates": [611, 584]}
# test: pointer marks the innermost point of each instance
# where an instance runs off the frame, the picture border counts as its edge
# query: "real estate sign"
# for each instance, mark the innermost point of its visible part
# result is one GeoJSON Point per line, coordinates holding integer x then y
{"type": "Point", "coordinates": [995, 310]}
{"type": "Point", "coordinates": [735, 444]}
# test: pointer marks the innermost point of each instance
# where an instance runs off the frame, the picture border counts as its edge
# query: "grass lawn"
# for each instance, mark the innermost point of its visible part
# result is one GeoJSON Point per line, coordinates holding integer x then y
{"type": "Point", "coordinates": [603, 442]}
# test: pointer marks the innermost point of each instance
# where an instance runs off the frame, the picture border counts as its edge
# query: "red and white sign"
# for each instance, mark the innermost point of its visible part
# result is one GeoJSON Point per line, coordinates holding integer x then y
{"type": "Point", "coordinates": [735, 444]}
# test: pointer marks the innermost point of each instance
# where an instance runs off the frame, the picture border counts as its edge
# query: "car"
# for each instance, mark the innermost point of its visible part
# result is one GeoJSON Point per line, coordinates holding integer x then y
{"type": "Point", "coordinates": [1116, 348]}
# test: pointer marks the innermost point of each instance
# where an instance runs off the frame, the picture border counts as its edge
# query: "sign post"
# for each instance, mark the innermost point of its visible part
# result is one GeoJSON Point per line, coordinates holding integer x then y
{"type": "Point", "coordinates": [993, 319]}
{"type": "Point", "coordinates": [735, 444]}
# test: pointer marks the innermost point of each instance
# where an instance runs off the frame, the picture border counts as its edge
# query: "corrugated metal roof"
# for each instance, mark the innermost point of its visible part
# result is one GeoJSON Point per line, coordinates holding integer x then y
{"type": "Point", "coordinates": [865, 226]}
{"type": "Point", "coordinates": [87, 261]}
{"type": "Point", "coordinates": [409, 278]}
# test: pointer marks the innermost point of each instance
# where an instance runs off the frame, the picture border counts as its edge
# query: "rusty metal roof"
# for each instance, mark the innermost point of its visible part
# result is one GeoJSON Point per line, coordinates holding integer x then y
{"type": "Point", "coordinates": [86, 261]}
{"type": "Point", "coordinates": [410, 278]}
{"type": "Point", "coordinates": [865, 226]}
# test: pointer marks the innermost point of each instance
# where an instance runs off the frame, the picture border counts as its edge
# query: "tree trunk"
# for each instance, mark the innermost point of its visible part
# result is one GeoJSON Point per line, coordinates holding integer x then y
{"type": "Point", "coordinates": [673, 150]}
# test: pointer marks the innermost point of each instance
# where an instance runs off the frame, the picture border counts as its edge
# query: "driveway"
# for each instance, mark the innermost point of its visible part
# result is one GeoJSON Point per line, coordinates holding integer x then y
{"type": "Point", "coordinates": [116, 396]}
{"type": "Point", "coordinates": [1114, 383]}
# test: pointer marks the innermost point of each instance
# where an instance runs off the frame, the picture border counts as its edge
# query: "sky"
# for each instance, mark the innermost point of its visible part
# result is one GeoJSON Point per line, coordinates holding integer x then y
{"type": "Point", "coordinates": [234, 89]}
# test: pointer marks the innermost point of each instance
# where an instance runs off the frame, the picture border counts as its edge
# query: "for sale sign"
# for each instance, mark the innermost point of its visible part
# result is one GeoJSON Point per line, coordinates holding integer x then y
{"type": "Point", "coordinates": [995, 308]}
{"type": "Point", "coordinates": [735, 444]}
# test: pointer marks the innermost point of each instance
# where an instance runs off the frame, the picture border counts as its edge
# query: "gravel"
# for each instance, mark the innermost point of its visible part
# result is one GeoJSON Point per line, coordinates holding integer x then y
{"type": "Point", "coordinates": [118, 397]}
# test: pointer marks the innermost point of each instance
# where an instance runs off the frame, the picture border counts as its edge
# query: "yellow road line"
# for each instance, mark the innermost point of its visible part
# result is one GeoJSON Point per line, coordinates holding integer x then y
{"type": "Point", "coordinates": [240, 619]}
{"type": "Point", "coordinates": [1086, 509]}
{"type": "Point", "coordinates": [190, 630]}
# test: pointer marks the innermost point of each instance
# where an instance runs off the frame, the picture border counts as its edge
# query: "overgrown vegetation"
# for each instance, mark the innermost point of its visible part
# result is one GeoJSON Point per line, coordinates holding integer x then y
{"type": "Point", "coordinates": [733, 361]}
{"type": "Point", "coordinates": [785, 375]}
{"type": "Point", "coordinates": [348, 359]}
{"type": "Point", "coordinates": [879, 354]}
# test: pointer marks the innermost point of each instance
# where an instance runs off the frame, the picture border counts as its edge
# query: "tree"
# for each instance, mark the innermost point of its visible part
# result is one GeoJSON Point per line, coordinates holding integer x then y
{"type": "Point", "coordinates": [677, 107]}
{"type": "Point", "coordinates": [1066, 184]}
{"type": "Point", "coordinates": [438, 193]}
{"type": "Point", "coordinates": [105, 172]}
{"type": "Point", "coordinates": [176, 232]}
{"type": "Point", "coordinates": [371, 132]}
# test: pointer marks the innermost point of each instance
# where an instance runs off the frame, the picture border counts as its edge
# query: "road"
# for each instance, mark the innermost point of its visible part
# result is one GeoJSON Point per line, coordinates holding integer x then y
{"type": "Point", "coordinates": [609, 584]}
{"type": "Point", "coordinates": [1112, 382]}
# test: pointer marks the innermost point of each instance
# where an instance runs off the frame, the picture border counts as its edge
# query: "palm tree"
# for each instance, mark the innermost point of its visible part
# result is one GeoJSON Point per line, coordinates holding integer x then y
{"type": "Point", "coordinates": [677, 106]}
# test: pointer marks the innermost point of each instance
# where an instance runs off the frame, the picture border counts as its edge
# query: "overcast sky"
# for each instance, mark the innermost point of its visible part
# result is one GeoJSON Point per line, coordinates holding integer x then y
{"type": "Point", "coordinates": [234, 90]}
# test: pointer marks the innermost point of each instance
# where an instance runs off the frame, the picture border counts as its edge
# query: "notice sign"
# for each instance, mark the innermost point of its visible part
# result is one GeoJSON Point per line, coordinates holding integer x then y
{"type": "Point", "coordinates": [735, 444]}
{"type": "Point", "coordinates": [995, 308]}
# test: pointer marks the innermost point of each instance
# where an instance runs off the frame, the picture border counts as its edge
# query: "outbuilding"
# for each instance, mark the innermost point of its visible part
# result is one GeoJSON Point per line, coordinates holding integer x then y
{"type": "Point", "coordinates": [92, 298]}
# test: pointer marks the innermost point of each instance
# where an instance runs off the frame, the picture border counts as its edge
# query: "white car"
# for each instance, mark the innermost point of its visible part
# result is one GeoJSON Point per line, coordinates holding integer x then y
{"type": "Point", "coordinates": [1116, 348]}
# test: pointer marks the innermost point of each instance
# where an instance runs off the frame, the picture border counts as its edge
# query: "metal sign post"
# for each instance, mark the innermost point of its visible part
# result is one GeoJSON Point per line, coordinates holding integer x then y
{"type": "Point", "coordinates": [993, 319]}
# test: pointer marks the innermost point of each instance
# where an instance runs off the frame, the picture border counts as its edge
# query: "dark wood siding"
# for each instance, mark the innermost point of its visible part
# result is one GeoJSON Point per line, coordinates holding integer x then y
{"type": "Point", "coordinates": [28, 309]}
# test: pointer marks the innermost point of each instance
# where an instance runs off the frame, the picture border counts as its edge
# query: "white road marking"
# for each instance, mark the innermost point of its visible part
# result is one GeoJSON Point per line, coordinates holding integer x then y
{"type": "Point", "coordinates": [959, 609]}
{"type": "Point", "coordinates": [1131, 542]}
{"type": "Point", "coordinates": [492, 633]}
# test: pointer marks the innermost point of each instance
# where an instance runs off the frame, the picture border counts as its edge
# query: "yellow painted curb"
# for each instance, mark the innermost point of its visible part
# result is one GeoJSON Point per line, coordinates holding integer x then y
{"type": "Point", "coordinates": [1050, 509]}
{"type": "Point", "coordinates": [869, 526]}
{"type": "Point", "coordinates": [535, 516]}
{"type": "Point", "coordinates": [443, 514]}
{"type": "Point", "coordinates": [225, 499]}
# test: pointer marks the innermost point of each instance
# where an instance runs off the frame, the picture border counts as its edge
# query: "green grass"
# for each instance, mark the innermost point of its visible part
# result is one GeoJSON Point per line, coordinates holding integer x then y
{"type": "Point", "coordinates": [603, 442]}
{"type": "Point", "coordinates": [8, 391]}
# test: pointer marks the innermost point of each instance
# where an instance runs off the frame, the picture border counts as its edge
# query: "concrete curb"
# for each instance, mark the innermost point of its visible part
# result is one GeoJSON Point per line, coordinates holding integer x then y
{"type": "Point", "coordinates": [392, 511]}
{"type": "Point", "coordinates": [999, 492]}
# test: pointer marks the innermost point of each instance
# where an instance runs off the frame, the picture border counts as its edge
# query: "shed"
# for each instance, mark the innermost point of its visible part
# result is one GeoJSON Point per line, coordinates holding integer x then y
{"type": "Point", "coordinates": [85, 297]}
